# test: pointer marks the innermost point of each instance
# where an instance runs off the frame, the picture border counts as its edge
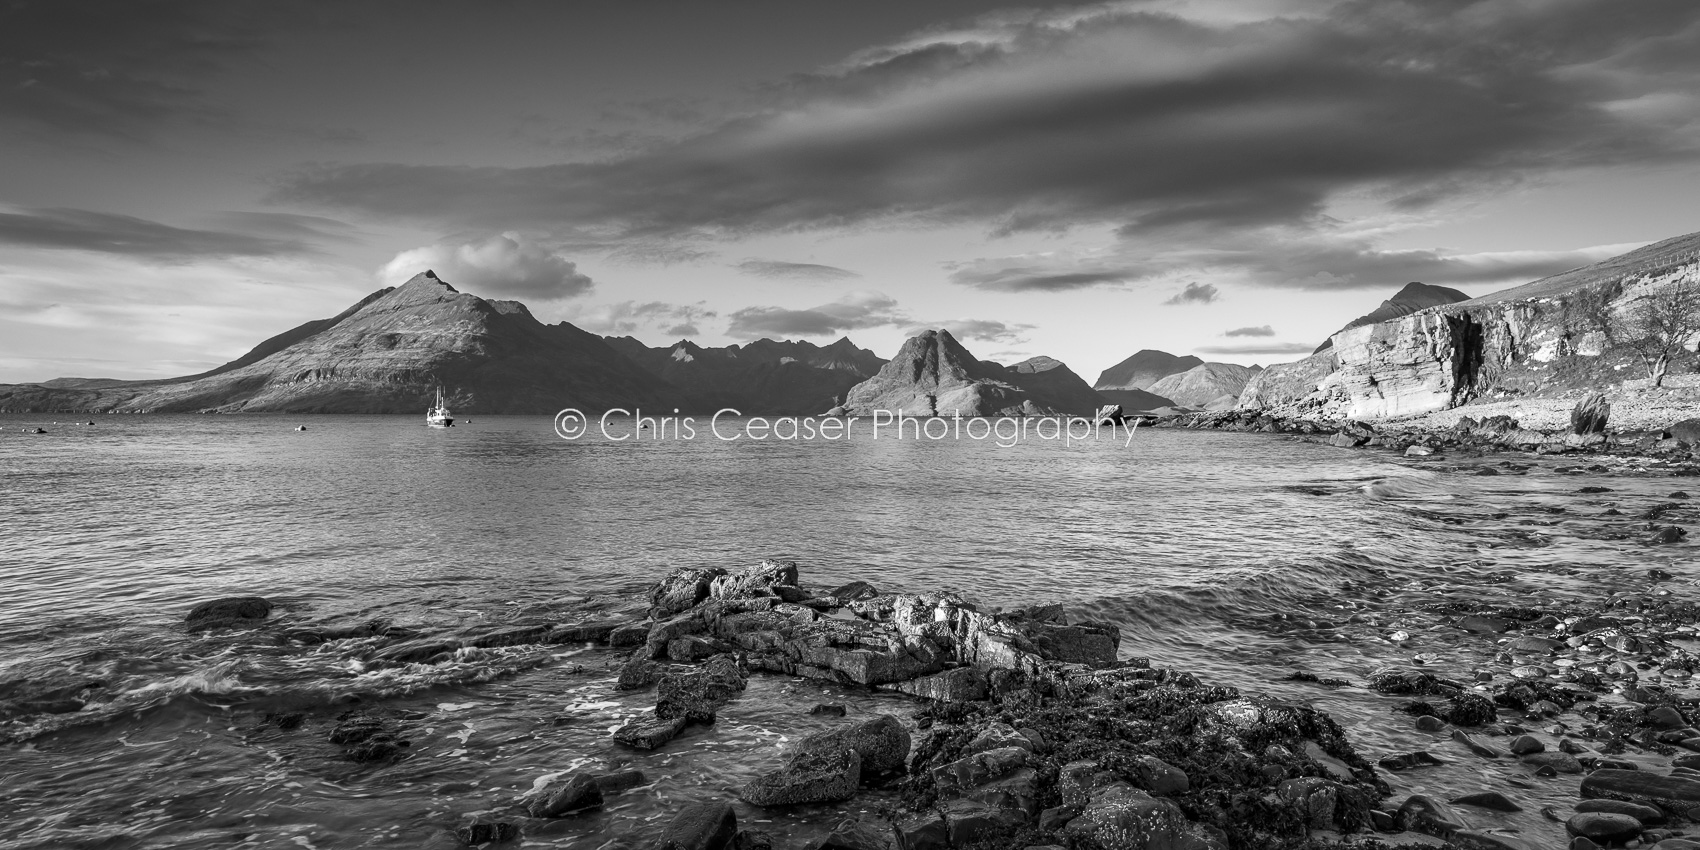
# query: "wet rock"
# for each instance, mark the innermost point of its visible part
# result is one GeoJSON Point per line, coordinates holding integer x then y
{"type": "Point", "coordinates": [809, 776]}
{"type": "Point", "coordinates": [978, 769]}
{"type": "Point", "coordinates": [638, 672]}
{"type": "Point", "coordinates": [1557, 762]}
{"type": "Point", "coordinates": [1123, 816]}
{"type": "Point", "coordinates": [757, 580]}
{"type": "Point", "coordinates": [1018, 791]}
{"type": "Point", "coordinates": [1666, 717]}
{"type": "Point", "coordinates": [1429, 816]}
{"type": "Point", "coordinates": [958, 685]}
{"type": "Point", "coordinates": [1468, 709]}
{"type": "Point", "coordinates": [594, 632]}
{"type": "Point", "coordinates": [1604, 827]}
{"type": "Point", "coordinates": [1409, 761]}
{"type": "Point", "coordinates": [1589, 416]}
{"type": "Point", "coordinates": [1314, 797]}
{"type": "Point", "coordinates": [681, 591]}
{"type": "Point", "coordinates": [1647, 815]}
{"type": "Point", "coordinates": [483, 829]}
{"type": "Point", "coordinates": [860, 834]}
{"type": "Point", "coordinates": [1477, 744]}
{"type": "Point", "coordinates": [369, 737]}
{"type": "Point", "coordinates": [707, 825]}
{"type": "Point", "coordinates": [1488, 800]}
{"type": "Point", "coordinates": [1159, 777]}
{"type": "Point", "coordinates": [968, 822]}
{"type": "Point", "coordinates": [1430, 723]}
{"type": "Point", "coordinates": [1484, 624]}
{"type": "Point", "coordinates": [1673, 793]}
{"type": "Point", "coordinates": [647, 733]}
{"type": "Point", "coordinates": [696, 695]}
{"type": "Point", "coordinates": [829, 709]}
{"type": "Point", "coordinates": [853, 592]}
{"type": "Point", "coordinates": [693, 648]}
{"type": "Point", "coordinates": [623, 780]}
{"type": "Point", "coordinates": [1410, 681]}
{"type": "Point", "coordinates": [1526, 744]}
{"type": "Point", "coordinates": [575, 792]}
{"type": "Point", "coordinates": [231, 612]}
{"type": "Point", "coordinates": [882, 743]}
{"type": "Point", "coordinates": [747, 839]}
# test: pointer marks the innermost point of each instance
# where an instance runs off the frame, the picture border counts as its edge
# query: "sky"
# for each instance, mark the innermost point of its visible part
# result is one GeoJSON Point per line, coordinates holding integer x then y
{"type": "Point", "coordinates": [1234, 179]}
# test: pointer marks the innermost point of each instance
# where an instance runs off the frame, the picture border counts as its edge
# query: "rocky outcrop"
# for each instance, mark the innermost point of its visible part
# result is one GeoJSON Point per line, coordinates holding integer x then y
{"type": "Point", "coordinates": [764, 377]}
{"type": "Point", "coordinates": [1143, 369]}
{"type": "Point", "coordinates": [1204, 384]}
{"type": "Point", "coordinates": [1446, 356]}
{"type": "Point", "coordinates": [388, 354]}
{"type": "Point", "coordinates": [1415, 296]}
{"type": "Point", "coordinates": [934, 375]}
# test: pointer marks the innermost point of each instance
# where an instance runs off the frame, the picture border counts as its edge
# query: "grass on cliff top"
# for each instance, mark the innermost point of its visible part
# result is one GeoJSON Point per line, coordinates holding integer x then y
{"type": "Point", "coordinates": [1567, 377]}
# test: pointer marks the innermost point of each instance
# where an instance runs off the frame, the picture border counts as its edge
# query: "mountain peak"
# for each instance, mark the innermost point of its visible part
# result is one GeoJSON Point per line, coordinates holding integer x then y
{"type": "Point", "coordinates": [1413, 297]}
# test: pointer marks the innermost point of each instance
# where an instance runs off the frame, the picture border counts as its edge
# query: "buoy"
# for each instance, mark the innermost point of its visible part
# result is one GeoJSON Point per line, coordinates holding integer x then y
{"type": "Point", "coordinates": [38, 431]}
{"type": "Point", "coordinates": [300, 427]}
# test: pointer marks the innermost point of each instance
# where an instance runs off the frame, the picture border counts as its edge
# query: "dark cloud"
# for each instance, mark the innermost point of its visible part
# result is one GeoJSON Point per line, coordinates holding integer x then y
{"type": "Point", "coordinates": [983, 329]}
{"type": "Point", "coordinates": [1262, 330]}
{"type": "Point", "coordinates": [86, 67]}
{"type": "Point", "coordinates": [1258, 348]}
{"type": "Point", "coordinates": [108, 233]}
{"type": "Point", "coordinates": [852, 312]}
{"type": "Point", "coordinates": [1194, 293]}
{"type": "Point", "coordinates": [502, 265]}
{"type": "Point", "coordinates": [1175, 131]}
{"type": "Point", "coordinates": [779, 269]}
{"type": "Point", "coordinates": [625, 317]}
{"type": "Point", "coordinates": [1024, 276]}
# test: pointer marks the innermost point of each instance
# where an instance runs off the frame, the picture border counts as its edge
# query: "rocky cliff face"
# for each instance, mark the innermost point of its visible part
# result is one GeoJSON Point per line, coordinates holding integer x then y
{"type": "Point", "coordinates": [1444, 356]}
{"type": "Point", "coordinates": [933, 375]}
{"type": "Point", "coordinates": [1414, 297]}
{"type": "Point", "coordinates": [764, 377]}
{"type": "Point", "coordinates": [1205, 384]}
{"type": "Point", "coordinates": [1143, 369]}
{"type": "Point", "coordinates": [388, 354]}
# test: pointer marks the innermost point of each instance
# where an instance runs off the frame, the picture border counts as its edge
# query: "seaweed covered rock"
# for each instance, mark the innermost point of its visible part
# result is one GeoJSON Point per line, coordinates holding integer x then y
{"type": "Point", "coordinates": [697, 694]}
{"type": "Point", "coordinates": [1121, 816]}
{"type": "Point", "coordinates": [810, 776]}
{"type": "Point", "coordinates": [228, 613]}
{"type": "Point", "coordinates": [881, 742]}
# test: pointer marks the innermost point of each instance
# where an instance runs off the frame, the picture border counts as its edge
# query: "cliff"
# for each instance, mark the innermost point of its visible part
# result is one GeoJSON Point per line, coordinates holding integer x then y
{"type": "Point", "coordinates": [1414, 297]}
{"type": "Point", "coordinates": [765, 377]}
{"type": "Point", "coordinates": [387, 354]}
{"type": "Point", "coordinates": [1449, 355]}
{"type": "Point", "coordinates": [934, 375]}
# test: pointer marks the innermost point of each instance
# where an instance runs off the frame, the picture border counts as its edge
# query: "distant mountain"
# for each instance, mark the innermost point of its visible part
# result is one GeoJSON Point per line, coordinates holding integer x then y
{"type": "Point", "coordinates": [934, 375]}
{"type": "Point", "coordinates": [387, 354]}
{"type": "Point", "coordinates": [1414, 297]}
{"type": "Point", "coordinates": [1142, 370]}
{"type": "Point", "coordinates": [1205, 385]}
{"type": "Point", "coordinates": [1135, 400]}
{"type": "Point", "coordinates": [765, 377]}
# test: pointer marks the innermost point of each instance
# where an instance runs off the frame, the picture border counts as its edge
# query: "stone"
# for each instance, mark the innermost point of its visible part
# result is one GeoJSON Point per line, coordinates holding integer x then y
{"type": "Point", "coordinates": [593, 632]}
{"type": "Point", "coordinates": [1666, 717]}
{"type": "Point", "coordinates": [696, 695]}
{"type": "Point", "coordinates": [647, 733]}
{"type": "Point", "coordinates": [829, 709]}
{"type": "Point", "coordinates": [996, 735]}
{"type": "Point", "coordinates": [1667, 534]}
{"type": "Point", "coordinates": [1122, 816]}
{"type": "Point", "coordinates": [1604, 827]}
{"type": "Point", "coordinates": [1477, 744]}
{"type": "Point", "coordinates": [1672, 793]}
{"type": "Point", "coordinates": [1017, 791]}
{"type": "Point", "coordinates": [1429, 816]}
{"type": "Point", "coordinates": [853, 592]}
{"type": "Point", "coordinates": [682, 590]}
{"type": "Point", "coordinates": [664, 632]}
{"type": "Point", "coordinates": [757, 580]}
{"type": "Point", "coordinates": [1429, 723]}
{"type": "Point", "coordinates": [1409, 761]}
{"type": "Point", "coordinates": [1647, 815]}
{"type": "Point", "coordinates": [1316, 798]}
{"type": "Point", "coordinates": [422, 651]}
{"type": "Point", "coordinates": [748, 839]}
{"type": "Point", "coordinates": [622, 780]}
{"type": "Point", "coordinates": [882, 742]}
{"type": "Point", "coordinates": [860, 834]}
{"type": "Point", "coordinates": [968, 822]}
{"type": "Point", "coordinates": [706, 825]}
{"type": "Point", "coordinates": [959, 685]}
{"type": "Point", "coordinates": [980, 768]}
{"type": "Point", "coordinates": [1488, 800]}
{"type": "Point", "coordinates": [810, 776]}
{"type": "Point", "coordinates": [230, 612]}
{"type": "Point", "coordinates": [1159, 777]}
{"type": "Point", "coordinates": [924, 831]}
{"type": "Point", "coordinates": [1484, 624]}
{"type": "Point", "coordinates": [483, 829]}
{"type": "Point", "coordinates": [575, 792]}
{"type": "Point", "coordinates": [630, 634]}
{"type": "Point", "coordinates": [1525, 744]}
{"type": "Point", "coordinates": [1558, 762]}
{"type": "Point", "coordinates": [638, 672]}
{"type": "Point", "coordinates": [693, 648]}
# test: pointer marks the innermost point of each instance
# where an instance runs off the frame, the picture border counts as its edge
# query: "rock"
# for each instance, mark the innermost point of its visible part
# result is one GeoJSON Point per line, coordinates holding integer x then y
{"type": "Point", "coordinates": [369, 737]}
{"type": "Point", "coordinates": [959, 685]}
{"type": "Point", "coordinates": [1590, 415]}
{"type": "Point", "coordinates": [1122, 816]}
{"type": "Point", "coordinates": [486, 830]}
{"type": "Point", "coordinates": [1427, 815]}
{"type": "Point", "coordinates": [853, 592]}
{"type": "Point", "coordinates": [1558, 762]}
{"type": "Point", "coordinates": [681, 591]}
{"type": "Point", "coordinates": [638, 672]}
{"type": "Point", "coordinates": [1018, 791]}
{"type": "Point", "coordinates": [228, 613]}
{"type": "Point", "coordinates": [810, 776]}
{"type": "Point", "coordinates": [924, 831]}
{"type": "Point", "coordinates": [596, 632]}
{"type": "Point", "coordinates": [1429, 723]}
{"type": "Point", "coordinates": [968, 822]}
{"type": "Point", "coordinates": [429, 650]}
{"type": "Point", "coordinates": [1687, 431]}
{"type": "Point", "coordinates": [829, 709]}
{"type": "Point", "coordinates": [630, 634]}
{"type": "Point", "coordinates": [1408, 761]}
{"type": "Point", "coordinates": [1477, 744]}
{"type": "Point", "coordinates": [980, 768]}
{"type": "Point", "coordinates": [861, 834]}
{"type": "Point", "coordinates": [706, 825]}
{"type": "Point", "coordinates": [624, 780]}
{"type": "Point", "coordinates": [647, 733]}
{"type": "Point", "coordinates": [1666, 717]}
{"type": "Point", "coordinates": [1488, 800]}
{"type": "Point", "coordinates": [1316, 798]}
{"type": "Point", "coordinates": [747, 839]}
{"type": "Point", "coordinates": [575, 792]}
{"type": "Point", "coordinates": [995, 736]}
{"type": "Point", "coordinates": [1647, 815]}
{"type": "Point", "coordinates": [1604, 827]}
{"type": "Point", "coordinates": [1667, 534]}
{"type": "Point", "coordinates": [1484, 624]}
{"type": "Point", "coordinates": [1526, 744]}
{"type": "Point", "coordinates": [693, 648]}
{"type": "Point", "coordinates": [1418, 451]}
{"type": "Point", "coordinates": [1159, 777]}
{"type": "Point", "coordinates": [1672, 793]}
{"type": "Point", "coordinates": [696, 695]}
{"type": "Point", "coordinates": [881, 741]}
{"type": "Point", "coordinates": [756, 580]}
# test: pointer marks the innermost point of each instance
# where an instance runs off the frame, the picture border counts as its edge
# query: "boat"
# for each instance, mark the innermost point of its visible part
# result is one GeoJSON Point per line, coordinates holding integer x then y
{"type": "Point", "coordinates": [438, 416]}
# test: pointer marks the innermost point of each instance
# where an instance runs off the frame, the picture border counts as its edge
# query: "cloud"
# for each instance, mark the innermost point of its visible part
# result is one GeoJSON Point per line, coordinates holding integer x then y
{"type": "Point", "coordinates": [1174, 126]}
{"type": "Point", "coordinates": [501, 265]}
{"type": "Point", "coordinates": [1023, 275]}
{"type": "Point", "coordinates": [1194, 293]}
{"type": "Point", "coordinates": [1262, 330]}
{"type": "Point", "coordinates": [1259, 348]}
{"type": "Point", "coordinates": [864, 309]}
{"type": "Point", "coordinates": [782, 270]}
{"type": "Point", "coordinates": [625, 317]}
{"type": "Point", "coordinates": [109, 233]}
{"type": "Point", "coordinates": [985, 329]}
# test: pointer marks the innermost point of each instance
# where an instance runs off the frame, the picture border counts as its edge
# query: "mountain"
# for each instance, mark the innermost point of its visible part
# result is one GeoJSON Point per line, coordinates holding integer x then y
{"type": "Point", "coordinates": [1450, 355]}
{"type": "Point", "coordinates": [934, 375]}
{"type": "Point", "coordinates": [1133, 401]}
{"type": "Point", "coordinates": [387, 354]}
{"type": "Point", "coordinates": [1143, 369]}
{"type": "Point", "coordinates": [1205, 384]}
{"type": "Point", "coordinates": [765, 377]}
{"type": "Point", "coordinates": [1415, 296]}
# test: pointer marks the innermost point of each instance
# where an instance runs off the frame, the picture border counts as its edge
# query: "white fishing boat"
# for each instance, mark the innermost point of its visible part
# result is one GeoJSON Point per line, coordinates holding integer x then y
{"type": "Point", "coordinates": [438, 416]}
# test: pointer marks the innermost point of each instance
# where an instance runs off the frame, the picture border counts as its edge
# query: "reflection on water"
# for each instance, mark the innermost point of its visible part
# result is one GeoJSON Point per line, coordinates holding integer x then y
{"type": "Point", "coordinates": [1240, 557]}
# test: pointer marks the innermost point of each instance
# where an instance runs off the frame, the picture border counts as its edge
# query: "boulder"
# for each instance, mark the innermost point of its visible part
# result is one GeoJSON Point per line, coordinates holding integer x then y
{"type": "Point", "coordinates": [958, 685]}
{"type": "Point", "coordinates": [1429, 816]}
{"type": "Point", "coordinates": [697, 694]}
{"type": "Point", "coordinates": [1671, 793]}
{"type": "Point", "coordinates": [1604, 827]}
{"type": "Point", "coordinates": [682, 590]}
{"type": "Point", "coordinates": [1122, 816]}
{"type": "Point", "coordinates": [1687, 431]}
{"type": "Point", "coordinates": [809, 776]}
{"type": "Point", "coordinates": [647, 733]}
{"type": "Point", "coordinates": [706, 825]}
{"type": "Point", "coordinates": [756, 580]}
{"type": "Point", "coordinates": [574, 792]}
{"type": "Point", "coordinates": [882, 743]}
{"type": "Point", "coordinates": [228, 613]}
{"type": "Point", "coordinates": [483, 829]}
{"type": "Point", "coordinates": [1590, 415]}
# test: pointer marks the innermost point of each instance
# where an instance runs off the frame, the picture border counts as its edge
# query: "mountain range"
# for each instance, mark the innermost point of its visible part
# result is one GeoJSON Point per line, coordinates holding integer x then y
{"type": "Point", "coordinates": [762, 377]}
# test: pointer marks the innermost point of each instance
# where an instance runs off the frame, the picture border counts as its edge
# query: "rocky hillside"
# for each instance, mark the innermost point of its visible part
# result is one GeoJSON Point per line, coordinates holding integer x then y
{"type": "Point", "coordinates": [1135, 401]}
{"type": "Point", "coordinates": [1143, 369]}
{"type": "Point", "coordinates": [387, 354]}
{"type": "Point", "coordinates": [934, 375]}
{"type": "Point", "coordinates": [1446, 356]}
{"type": "Point", "coordinates": [1414, 297]}
{"type": "Point", "coordinates": [764, 377]}
{"type": "Point", "coordinates": [1205, 385]}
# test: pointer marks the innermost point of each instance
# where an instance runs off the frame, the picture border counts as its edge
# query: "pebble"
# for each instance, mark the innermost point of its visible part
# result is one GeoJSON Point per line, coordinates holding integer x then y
{"type": "Point", "coordinates": [1525, 744]}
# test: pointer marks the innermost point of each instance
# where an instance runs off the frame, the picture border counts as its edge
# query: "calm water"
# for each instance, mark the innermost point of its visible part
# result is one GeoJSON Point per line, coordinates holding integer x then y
{"type": "Point", "coordinates": [1241, 557]}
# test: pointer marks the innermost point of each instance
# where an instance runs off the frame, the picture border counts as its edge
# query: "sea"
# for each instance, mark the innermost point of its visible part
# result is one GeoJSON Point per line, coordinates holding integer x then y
{"type": "Point", "coordinates": [1243, 558]}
